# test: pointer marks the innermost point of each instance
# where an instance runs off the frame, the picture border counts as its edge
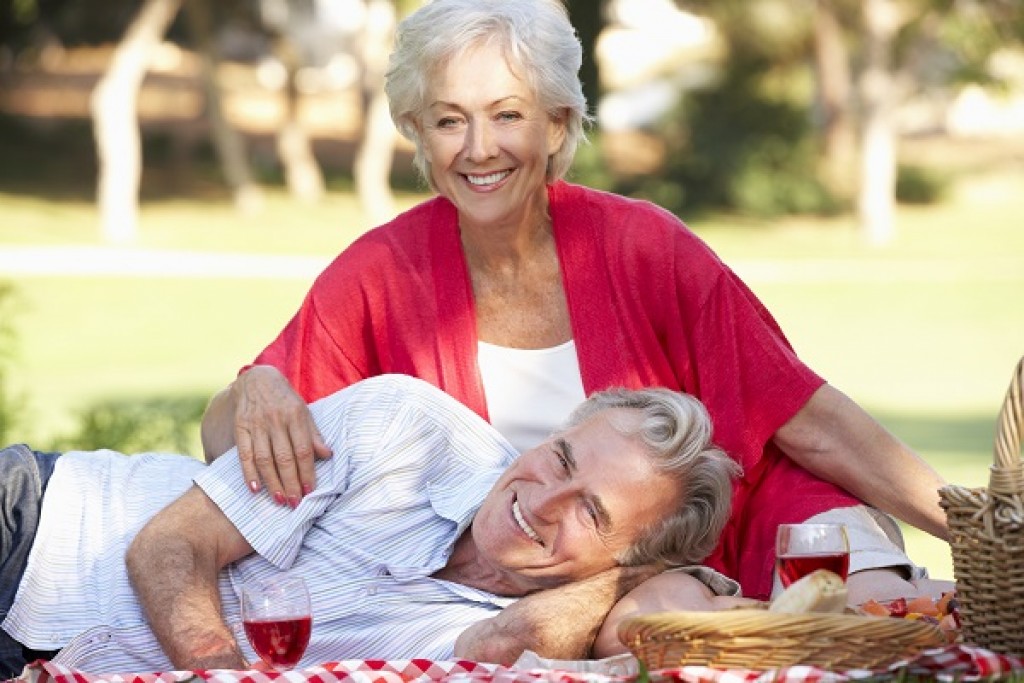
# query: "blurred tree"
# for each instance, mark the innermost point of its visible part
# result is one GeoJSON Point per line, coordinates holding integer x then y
{"type": "Point", "coordinates": [286, 19]}
{"type": "Point", "coordinates": [739, 143]}
{"type": "Point", "coordinates": [227, 141]}
{"type": "Point", "coordinates": [371, 169]}
{"type": "Point", "coordinates": [879, 98]}
{"type": "Point", "coordinates": [115, 120]}
{"type": "Point", "coordinates": [903, 48]}
{"type": "Point", "coordinates": [10, 405]}
{"type": "Point", "coordinates": [745, 140]}
{"type": "Point", "coordinates": [588, 17]}
{"type": "Point", "coordinates": [834, 85]}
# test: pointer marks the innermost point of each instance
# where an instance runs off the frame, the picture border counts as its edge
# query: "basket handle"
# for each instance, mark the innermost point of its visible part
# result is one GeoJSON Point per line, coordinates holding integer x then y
{"type": "Point", "coordinates": [1007, 472]}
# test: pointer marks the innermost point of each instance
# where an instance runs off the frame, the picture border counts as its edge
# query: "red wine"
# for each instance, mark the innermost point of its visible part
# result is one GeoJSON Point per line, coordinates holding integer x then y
{"type": "Point", "coordinates": [279, 642]}
{"type": "Point", "coordinates": [793, 567]}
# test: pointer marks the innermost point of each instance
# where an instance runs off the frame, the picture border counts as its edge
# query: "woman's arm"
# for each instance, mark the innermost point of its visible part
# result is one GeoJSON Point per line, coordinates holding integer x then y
{"type": "Point", "coordinates": [277, 439]}
{"type": "Point", "coordinates": [835, 439]}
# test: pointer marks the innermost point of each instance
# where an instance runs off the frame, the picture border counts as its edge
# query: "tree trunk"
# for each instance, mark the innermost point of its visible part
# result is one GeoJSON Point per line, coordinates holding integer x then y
{"type": "Point", "coordinates": [115, 121]}
{"type": "Point", "coordinates": [835, 85]}
{"type": "Point", "coordinates": [587, 17]}
{"type": "Point", "coordinates": [877, 200]}
{"type": "Point", "coordinates": [295, 150]}
{"type": "Point", "coordinates": [227, 141]}
{"type": "Point", "coordinates": [372, 166]}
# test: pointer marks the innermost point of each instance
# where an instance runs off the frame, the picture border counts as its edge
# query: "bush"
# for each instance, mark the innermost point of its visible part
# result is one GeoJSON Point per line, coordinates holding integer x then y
{"type": "Point", "coordinates": [164, 424]}
{"type": "Point", "coordinates": [918, 185]}
{"type": "Point", "coordinates": [10, 405]}
{"type": "Point", "coordinates": [731, 147]}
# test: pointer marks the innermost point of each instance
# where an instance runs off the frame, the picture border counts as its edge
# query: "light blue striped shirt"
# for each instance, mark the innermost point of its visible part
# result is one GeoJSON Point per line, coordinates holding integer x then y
{"type": "Point", "coordinates": [410, 468]}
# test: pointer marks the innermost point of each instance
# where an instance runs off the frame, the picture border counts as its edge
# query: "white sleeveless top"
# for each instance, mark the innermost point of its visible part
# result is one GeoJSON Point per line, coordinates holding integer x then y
{"type": "Point", "coordinates": [530, 392]}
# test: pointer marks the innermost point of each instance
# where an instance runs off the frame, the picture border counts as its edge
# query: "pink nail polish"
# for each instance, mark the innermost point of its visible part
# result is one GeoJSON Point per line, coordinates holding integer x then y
{"type": "Point", "coordinates": [279, 498]}
{"type": "Point", "coordinates": [293, 502]}
{"type": "Point", "coordinates": [306, 489]}
{"type": "Point", "coordinates": [254, 486]}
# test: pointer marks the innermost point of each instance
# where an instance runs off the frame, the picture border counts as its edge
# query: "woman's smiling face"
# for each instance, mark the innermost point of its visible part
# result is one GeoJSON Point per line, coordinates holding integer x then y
{"type": "Point", "coordinates": [487, 138]}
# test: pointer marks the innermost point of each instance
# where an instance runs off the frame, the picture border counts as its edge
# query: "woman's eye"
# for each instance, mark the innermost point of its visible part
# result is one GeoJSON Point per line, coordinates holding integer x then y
{"type": "Point", "coordinates": [447, 122]}
{"type": "Point", "coordinates": [510, 116]}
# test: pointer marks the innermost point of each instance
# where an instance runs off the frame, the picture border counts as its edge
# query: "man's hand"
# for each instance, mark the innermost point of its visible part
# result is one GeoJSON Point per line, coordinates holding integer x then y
{"type": "Point", "coordinates": [666, 592]}
{"type": "Point", "coordinates": [560, 623]}
{"type": "Point", "coordinates": [173, 564]}
{"type": "Point", "coordinates": [277, 439]}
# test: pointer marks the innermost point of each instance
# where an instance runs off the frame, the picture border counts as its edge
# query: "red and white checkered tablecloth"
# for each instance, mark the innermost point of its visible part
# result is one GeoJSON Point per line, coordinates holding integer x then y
{"type": "Point", "coordinates": [953, 663]}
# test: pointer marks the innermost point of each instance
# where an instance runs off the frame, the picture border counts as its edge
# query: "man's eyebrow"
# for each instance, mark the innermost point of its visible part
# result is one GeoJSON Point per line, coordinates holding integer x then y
{"type": "Point", "coordinates": [604, 520]}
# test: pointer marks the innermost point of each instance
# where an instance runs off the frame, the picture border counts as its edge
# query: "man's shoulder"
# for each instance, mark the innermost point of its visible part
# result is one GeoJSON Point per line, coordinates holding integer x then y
{"type": "Point", "coordinates": [422, 406]}
{"type": "Point", "coordinates": [389, 388]}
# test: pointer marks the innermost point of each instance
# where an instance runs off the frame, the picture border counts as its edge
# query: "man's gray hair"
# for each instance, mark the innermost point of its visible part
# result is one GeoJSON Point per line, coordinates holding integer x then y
{"type": "Point", "coordinates": [676, 431]}
{"type": "Point", "coordinates": [539, 43]}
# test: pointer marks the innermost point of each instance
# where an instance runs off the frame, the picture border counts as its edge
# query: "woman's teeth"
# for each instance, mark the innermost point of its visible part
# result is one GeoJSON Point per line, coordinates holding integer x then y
{"type": "Point", "coordinates": [488, 179]}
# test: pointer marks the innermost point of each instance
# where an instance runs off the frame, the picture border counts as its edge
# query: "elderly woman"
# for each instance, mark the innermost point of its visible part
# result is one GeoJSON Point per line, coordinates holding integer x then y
{"type": "Point", "coordinates": [519, 293]}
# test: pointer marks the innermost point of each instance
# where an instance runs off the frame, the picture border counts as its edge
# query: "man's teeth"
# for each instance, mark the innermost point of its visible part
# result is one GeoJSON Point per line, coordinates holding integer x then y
{"type": "Point", "coordinates": [489, 179]}
{"type": "Point", "coordinates": [527, 529]}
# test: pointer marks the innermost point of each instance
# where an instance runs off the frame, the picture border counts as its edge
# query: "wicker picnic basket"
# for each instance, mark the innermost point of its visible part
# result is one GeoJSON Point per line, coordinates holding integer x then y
{"type": "Point", "coordinates": [759, 640]}
{"type": "Point", "coordinates": [986, 527]}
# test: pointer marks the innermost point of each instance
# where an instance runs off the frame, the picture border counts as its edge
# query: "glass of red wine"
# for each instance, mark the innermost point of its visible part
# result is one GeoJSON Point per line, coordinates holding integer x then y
{"type": "Point", "coordinates": [802, 548]}
{"type": "Point", "coordinates": [277, 619]}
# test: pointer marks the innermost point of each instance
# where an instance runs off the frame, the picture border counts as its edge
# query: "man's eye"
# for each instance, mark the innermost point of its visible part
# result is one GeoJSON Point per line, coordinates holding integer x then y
{"type": "Point", "coordinates": [562, 461]}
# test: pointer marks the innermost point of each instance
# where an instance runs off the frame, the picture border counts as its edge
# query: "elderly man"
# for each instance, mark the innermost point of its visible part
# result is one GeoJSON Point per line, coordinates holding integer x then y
{"type": "Point", "coordinates": [423, 530]}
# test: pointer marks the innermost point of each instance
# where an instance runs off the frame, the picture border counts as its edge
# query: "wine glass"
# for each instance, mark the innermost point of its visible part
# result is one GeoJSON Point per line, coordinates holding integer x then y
{"type": "Point", "coordinates": [277, 619]}
{"type": "Point", "coordinates": [802, 548]}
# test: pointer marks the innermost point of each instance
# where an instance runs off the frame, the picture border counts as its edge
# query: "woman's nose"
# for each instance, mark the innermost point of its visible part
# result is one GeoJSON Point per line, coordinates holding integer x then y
{"type": "Point", "coordinates": [480, 142]}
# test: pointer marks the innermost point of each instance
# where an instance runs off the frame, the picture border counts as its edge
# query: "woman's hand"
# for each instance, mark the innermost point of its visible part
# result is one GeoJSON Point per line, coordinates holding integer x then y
{"type": "Point", "coordinates": [273, 429]}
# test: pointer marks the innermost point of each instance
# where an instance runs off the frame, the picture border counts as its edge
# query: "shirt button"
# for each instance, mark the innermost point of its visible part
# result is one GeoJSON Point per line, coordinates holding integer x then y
{"type": "Point", "coordinates": [371, 591]}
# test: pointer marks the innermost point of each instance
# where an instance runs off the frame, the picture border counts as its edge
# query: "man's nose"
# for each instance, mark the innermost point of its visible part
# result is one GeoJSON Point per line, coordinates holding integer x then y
{"type": "Point", "coordinates": [549, 501]}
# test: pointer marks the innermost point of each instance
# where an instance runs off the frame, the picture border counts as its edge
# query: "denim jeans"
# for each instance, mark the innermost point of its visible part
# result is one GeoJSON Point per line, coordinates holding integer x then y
{"type": "Point", "coordinates": [24, 474]}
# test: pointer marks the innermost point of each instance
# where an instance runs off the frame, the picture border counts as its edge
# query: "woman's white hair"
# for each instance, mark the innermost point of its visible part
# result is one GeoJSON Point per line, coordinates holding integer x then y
{"type": "Point", "coordinates": [675, 430]}
{"type": "Point", "coordinates": [540, 45]}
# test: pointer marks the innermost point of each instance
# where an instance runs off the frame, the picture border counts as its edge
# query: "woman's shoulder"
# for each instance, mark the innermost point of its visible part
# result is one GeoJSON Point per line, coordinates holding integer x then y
{"type": "Point", "coordinates": [603, 210]}
{"type": "Point", "coordinates": [408, 239]}
{"type": "Point", "coordinates": [412, 226]}
{"type": "Point", "coordinates": [624, 225]}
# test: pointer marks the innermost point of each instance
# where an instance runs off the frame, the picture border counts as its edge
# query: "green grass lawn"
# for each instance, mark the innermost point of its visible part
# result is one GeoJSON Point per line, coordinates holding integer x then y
{"type": "Point", "coordinates": [924, 332]}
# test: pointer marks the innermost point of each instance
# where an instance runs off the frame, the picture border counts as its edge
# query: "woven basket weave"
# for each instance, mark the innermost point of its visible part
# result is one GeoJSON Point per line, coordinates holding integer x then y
{"type": "Point", "coordinates": [760, 640]}
{"type": "Point", "coordinates": [986, 526]}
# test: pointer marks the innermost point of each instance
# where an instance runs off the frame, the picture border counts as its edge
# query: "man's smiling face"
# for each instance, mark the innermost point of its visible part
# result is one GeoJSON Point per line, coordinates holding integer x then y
{"type": "Point", "coordinates": [568, 508]}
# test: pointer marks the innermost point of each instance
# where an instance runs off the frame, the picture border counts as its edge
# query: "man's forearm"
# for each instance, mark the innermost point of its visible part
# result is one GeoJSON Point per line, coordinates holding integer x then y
{"type": "Point", "coordinates": [174, 564]}
{"type": "Point", "coordinates": [560, 623]}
